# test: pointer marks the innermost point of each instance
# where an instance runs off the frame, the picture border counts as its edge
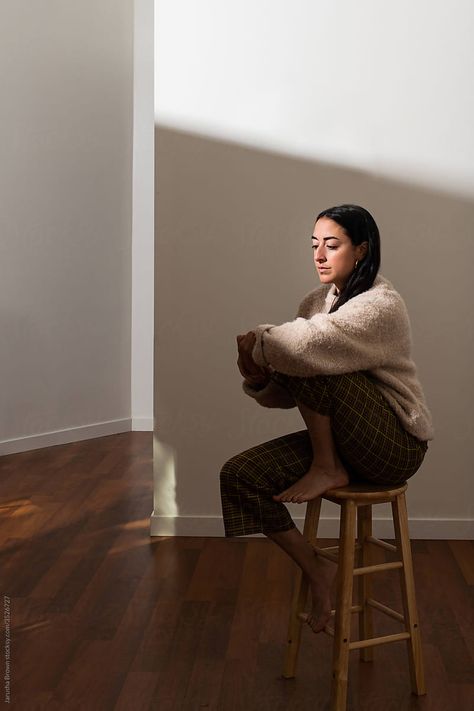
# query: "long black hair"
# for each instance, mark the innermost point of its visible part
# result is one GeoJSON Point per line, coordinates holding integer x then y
{"type": "Point", "coordinates": [359, 226]}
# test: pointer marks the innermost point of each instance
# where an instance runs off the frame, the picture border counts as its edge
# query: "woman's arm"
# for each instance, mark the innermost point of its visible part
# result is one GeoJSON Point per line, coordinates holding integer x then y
{"type": "Point", "coordinates": [271, 395]}
{"type": "Point", "coordinates": [256, 376]}
{"type": "Point", "coordinates": [257, 381]}
{"type": "Point", "coordinates": [366, 332]}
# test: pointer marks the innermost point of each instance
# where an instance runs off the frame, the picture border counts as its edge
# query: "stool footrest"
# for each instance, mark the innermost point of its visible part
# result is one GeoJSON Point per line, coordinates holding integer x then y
{"type": "Point", "coordinates": [331, 552]}
{"type": "Point", "coordinates": [382, 544]}
{"type": "Point", "coordinates": [328, 554]}
{"type": "Point", "coordinates": [379, 606]}
{"type": "Point", "coordinates": [374, 641]}
{"type": "Point", "coordinates": [354, 608]}
{"type": "Point", "coordinates": [377, 567]}
{"type": "Point", "coordinates": [384, 608]}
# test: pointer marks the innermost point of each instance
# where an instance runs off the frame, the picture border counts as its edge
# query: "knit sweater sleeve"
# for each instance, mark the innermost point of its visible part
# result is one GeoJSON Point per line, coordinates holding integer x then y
{"type": "Point", "coordinates": [275, 395]}
{"type": "Point", "coordinates": [366, 332]}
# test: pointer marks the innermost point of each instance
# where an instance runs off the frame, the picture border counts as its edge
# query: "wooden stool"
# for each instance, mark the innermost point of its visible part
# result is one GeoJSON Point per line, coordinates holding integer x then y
{"type": "Point", "coordinates": [360, 498]}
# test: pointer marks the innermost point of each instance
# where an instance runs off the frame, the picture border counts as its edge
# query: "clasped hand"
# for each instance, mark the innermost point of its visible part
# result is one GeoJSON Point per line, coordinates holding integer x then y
{"type": "Point", "coordinates": [254, 374]}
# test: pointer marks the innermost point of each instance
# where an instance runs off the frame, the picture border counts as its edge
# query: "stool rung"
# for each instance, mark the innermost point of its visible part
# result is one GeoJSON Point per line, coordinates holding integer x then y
{"type": "Point", "coordinates": [354, 608]}
{"type": "Point", "coordinates": [327, 554]}
{"type": "Point", "coordinates": [331, 552]}
{"type": "Point", "coordinates": [383, 608]}
{"type": "Point", "coordinates": [373, 641]}
{"type": "Point", "coordinates": [379, 566]}
{"type": "Point", "coordinates": [382, 544]}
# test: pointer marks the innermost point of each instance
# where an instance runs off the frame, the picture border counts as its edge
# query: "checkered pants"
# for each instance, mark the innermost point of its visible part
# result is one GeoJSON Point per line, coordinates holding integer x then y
{"type": "Point", "coordinates": [369, 438]}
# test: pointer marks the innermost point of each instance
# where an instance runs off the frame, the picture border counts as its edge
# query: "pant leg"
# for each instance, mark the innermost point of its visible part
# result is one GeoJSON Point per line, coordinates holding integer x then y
{"type": "Point", "coordinates": [249, 479]}
{"type": "Point", "coordinates": [368, 434]}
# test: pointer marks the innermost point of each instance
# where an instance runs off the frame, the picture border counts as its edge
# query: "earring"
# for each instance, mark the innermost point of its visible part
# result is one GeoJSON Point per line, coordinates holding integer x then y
{"type": "Point", "coordinates": [357, 262]}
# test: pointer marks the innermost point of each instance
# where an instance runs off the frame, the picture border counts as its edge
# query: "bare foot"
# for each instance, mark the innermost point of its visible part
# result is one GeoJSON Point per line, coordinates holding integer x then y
{"type": "Point", "coordinates": [317, 480]}
{"type": "Point", "coordinates": [321, 588]}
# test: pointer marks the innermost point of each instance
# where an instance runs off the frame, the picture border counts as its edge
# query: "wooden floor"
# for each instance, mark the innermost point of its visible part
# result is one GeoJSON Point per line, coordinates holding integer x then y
{"type": "Point", "coordinates": [105, 617]}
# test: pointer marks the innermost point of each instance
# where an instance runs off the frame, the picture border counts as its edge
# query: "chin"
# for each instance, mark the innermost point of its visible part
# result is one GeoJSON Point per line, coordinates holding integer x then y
{"type": "Point", "coordinates": [326, 278]}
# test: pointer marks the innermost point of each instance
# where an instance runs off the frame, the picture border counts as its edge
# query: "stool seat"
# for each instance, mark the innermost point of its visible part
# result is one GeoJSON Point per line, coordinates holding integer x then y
{"type": "Point", "coordinates": [356, 546]}
{"type": "Point", "coordinates": [361, 491]}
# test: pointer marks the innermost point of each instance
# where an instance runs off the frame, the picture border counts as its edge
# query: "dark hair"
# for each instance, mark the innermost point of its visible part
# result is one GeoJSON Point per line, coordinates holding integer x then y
{"type": "Point", "coordinates": [359, 226]}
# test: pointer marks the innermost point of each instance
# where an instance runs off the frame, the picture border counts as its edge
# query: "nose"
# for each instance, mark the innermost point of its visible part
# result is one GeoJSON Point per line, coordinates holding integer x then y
{"type": "Point", "coordinates": [318, 255]}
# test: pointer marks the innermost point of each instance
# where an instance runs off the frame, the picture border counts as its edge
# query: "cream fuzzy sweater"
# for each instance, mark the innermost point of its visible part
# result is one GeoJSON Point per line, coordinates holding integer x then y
{"type": "Point", "coordinates": [371, 332]}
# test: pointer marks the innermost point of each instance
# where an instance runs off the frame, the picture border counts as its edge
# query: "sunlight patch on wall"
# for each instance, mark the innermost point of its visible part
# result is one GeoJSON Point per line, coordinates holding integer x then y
{"type": "Point", "coordinates": [164, 477]}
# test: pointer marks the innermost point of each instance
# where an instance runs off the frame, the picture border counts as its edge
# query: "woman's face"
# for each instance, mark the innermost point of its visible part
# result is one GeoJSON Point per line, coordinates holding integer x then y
{"type": "Point", "coordinates": [333, 252]}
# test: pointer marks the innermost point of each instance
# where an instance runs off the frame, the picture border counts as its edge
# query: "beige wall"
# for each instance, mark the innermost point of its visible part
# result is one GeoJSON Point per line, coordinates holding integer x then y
{"type": "Point", "coordinates": [66, 197]}
{"type": "Point", "coordinates": [233, 216]}
{"type": "Point", "coordinates": [232, 252]}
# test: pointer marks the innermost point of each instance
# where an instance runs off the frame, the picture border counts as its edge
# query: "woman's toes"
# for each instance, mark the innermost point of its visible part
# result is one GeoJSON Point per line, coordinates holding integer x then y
{"type": "Point", "coordinates": [284, 496]}
{"type": "Point", "coordinates": [317, 627]}
{"type": "Point", "coordinates": [313, 621]}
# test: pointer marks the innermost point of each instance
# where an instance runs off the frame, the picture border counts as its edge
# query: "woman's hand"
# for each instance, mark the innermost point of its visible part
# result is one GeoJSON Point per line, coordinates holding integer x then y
{"type": "Point", "coordinates": [253, 373]}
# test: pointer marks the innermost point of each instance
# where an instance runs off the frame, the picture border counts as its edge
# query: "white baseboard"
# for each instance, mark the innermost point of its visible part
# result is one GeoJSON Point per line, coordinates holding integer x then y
{"type": "Point", "coordinates": [142, 424]}
{"type": "Point", "coordinates": [421, 528]}
{"type": "Point", "coordinates": [74, 434]}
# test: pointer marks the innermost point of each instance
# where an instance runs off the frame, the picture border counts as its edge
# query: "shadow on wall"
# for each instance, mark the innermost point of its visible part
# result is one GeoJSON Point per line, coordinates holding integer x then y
{"type": "Point", "coordinates": [233, 228]}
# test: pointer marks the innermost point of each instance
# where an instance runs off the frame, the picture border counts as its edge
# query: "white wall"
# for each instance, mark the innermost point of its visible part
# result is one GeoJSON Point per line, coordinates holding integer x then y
{"type": "Point", "coordinates": [377, 86]}
{"type": "Point", "coordinates": [143, 218]}
{"type": "Point", "coordinates": [266, 113]}
{"type": "Point", "coordinates": [66, 219]}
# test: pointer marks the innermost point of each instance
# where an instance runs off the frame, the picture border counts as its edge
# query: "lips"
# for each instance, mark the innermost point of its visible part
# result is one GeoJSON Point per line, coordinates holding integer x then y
{"type": "Point", "coordinates": [323, 269]}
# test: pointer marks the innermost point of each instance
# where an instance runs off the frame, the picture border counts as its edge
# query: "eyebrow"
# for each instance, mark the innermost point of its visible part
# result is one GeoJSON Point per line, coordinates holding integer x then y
{"type": "Point", "coordinates": [325, 238]}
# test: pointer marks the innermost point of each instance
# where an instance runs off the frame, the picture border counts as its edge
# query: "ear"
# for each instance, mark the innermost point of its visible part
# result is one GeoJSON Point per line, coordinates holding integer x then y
{"type": "Point", "coordinates": [362, 248]}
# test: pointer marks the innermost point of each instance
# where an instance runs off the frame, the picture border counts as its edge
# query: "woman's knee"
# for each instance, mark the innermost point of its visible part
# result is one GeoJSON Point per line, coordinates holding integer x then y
{"type": "Point", "coordinates": [228, 470]}
{"type": "Point", "coordinates": [315, 391]}
{"type": "Point", "coordinates": [242, 467]}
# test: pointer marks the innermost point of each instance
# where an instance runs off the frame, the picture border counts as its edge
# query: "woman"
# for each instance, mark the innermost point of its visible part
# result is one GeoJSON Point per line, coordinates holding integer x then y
{"type": "Point", "coordinates": [345, 362]}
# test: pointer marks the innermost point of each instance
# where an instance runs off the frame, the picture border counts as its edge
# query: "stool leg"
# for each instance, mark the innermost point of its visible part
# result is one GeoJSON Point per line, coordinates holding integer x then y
{"type": "Point", "coordinates": [364, 583]}
{"type": "Point", "coordinates": [415, 653]}
{"type": "Point", "coordinates": [342, 622]}
{"type": "Point", "coordinates": [300, 591]}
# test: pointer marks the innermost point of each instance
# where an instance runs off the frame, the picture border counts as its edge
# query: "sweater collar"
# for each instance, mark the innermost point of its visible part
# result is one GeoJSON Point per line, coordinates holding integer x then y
{"type": "Point", "coordinates": [331, 294]}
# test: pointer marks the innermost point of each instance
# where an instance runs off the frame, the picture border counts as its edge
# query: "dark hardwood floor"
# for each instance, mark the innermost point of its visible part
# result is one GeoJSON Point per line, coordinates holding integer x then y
{"type": "Point", "coordinates": [105, 617]}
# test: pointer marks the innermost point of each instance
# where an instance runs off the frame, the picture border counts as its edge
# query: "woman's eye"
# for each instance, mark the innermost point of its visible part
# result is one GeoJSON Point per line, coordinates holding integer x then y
{"type": "Point", "coordinates": [315, 246]}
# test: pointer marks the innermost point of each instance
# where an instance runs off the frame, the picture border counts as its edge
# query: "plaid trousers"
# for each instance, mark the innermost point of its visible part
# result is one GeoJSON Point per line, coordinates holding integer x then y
{"type": "Point", "coordinates": [368, 435]}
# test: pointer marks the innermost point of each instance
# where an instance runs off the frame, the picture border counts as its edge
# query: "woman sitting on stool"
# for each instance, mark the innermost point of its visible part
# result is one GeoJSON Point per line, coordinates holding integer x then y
{"type": "Point", "coordinates": [345, 362]}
